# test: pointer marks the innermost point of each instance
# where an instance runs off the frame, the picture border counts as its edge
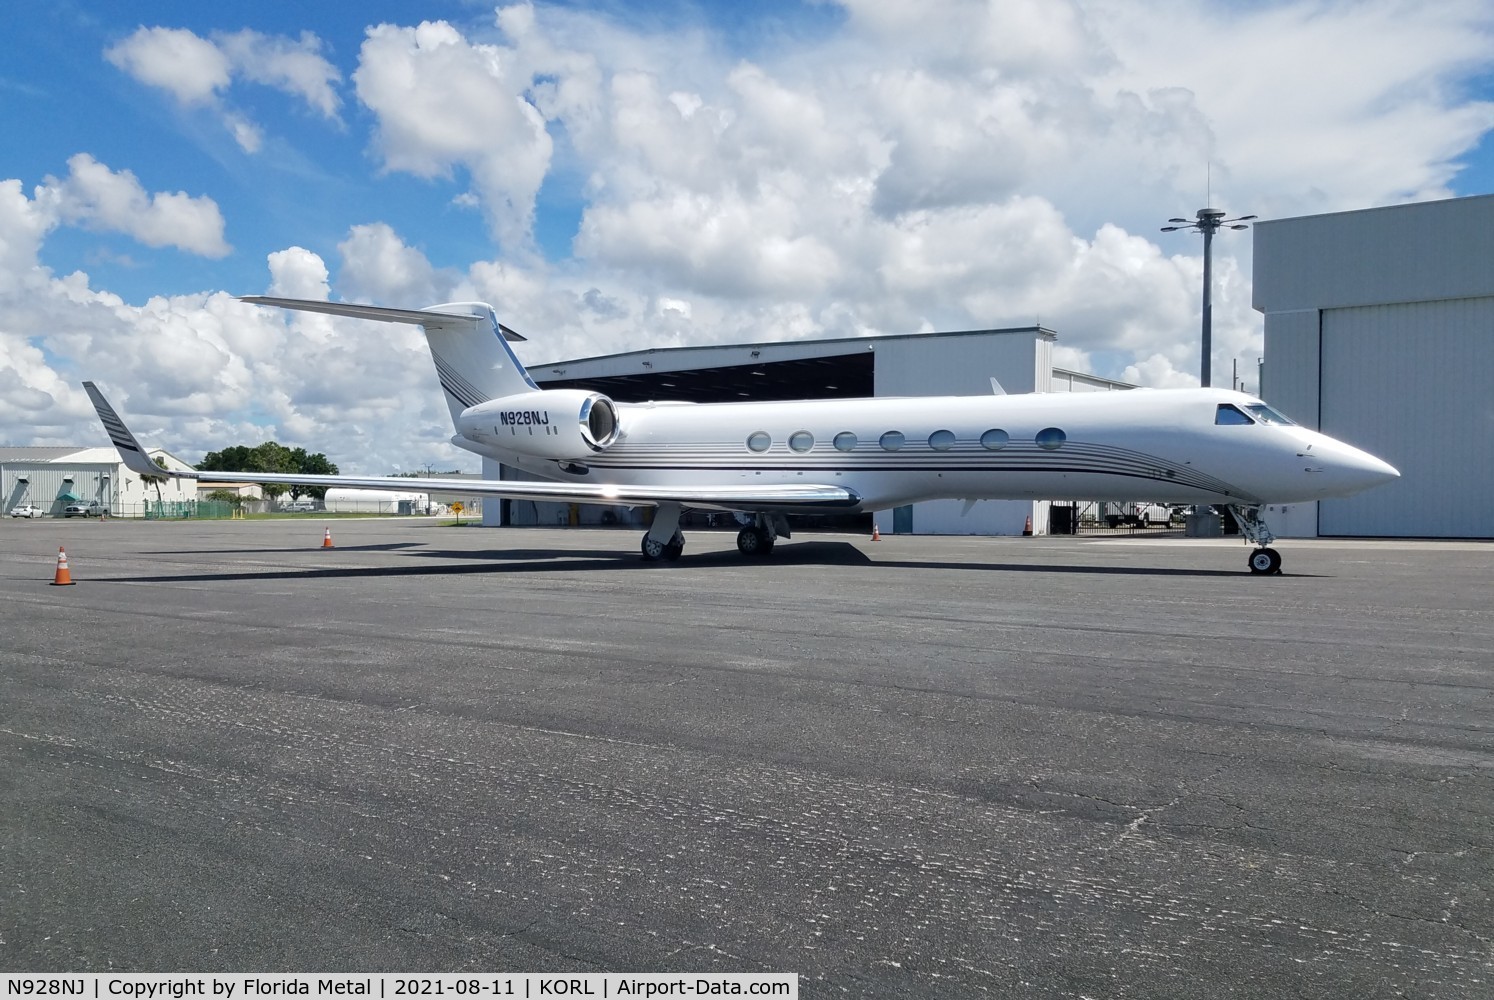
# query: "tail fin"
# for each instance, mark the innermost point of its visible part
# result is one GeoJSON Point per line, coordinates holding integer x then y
{"type": "Point", "coordinates": [134, 456]}
{"type": "Point", "coordinates": [468, 345]}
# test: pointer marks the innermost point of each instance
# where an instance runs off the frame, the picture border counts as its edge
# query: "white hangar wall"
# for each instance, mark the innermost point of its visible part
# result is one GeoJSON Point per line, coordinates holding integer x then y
{"type": "Point", "coordinates": [1379, 330]}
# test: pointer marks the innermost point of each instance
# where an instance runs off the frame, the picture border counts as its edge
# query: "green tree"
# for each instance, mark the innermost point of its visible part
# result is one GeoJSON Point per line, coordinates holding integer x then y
{"type": "Point", "coordinates": [272, 457]}
{"type": "Point", "coordinates": [156, 481]}
{"type": "Point", "coordinates": [311, 465]}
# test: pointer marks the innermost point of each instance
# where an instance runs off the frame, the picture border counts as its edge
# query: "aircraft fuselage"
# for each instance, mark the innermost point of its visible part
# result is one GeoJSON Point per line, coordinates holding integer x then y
{"type": "Point", "coordinates": [1163, 445]}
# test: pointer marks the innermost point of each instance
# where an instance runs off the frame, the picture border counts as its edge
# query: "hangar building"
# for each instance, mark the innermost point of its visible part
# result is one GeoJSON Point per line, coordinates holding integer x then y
{"type": "Point", "coordinates": [52, 478]}
{"type": "Point", "coordinates": [1380, 331]}
{"type": "Point", "coordinates": [926, 364]}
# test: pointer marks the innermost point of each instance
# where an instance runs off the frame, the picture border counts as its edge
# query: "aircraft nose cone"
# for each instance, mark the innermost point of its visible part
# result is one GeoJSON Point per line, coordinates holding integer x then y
{"type": "Point", "coordinates": [1353, 470]}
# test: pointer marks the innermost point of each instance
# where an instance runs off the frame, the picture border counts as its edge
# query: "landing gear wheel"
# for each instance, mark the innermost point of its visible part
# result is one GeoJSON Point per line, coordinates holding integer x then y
{"type": "Point", "coordinates": [754, 542]}
{"type": "Point", "coordinates": [1265, 562]}
{"type": "Point", "coordinates": [668, 551]}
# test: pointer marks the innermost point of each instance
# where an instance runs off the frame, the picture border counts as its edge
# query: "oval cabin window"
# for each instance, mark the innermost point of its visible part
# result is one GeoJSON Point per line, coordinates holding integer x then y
{"type": "Point", "coordinates": [1051, 438]}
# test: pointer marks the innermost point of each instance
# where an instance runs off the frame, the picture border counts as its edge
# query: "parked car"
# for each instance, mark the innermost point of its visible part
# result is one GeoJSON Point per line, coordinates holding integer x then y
{"type": "Point", "coordinates": [90, 508]}
{"type": "Point", "coordinates": [1140, 515]}
{"type": "Point", "coordinates": [25, 510]}
{"type": "Point", "coordinates": [299, 506]}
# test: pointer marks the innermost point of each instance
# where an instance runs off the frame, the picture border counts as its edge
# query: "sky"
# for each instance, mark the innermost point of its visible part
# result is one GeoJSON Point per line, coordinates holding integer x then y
{"type": "Point", "coordinates": [614, 176]}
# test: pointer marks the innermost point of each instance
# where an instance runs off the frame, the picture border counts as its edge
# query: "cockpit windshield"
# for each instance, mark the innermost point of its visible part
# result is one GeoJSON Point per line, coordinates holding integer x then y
{"type": "Point", "coordinates": [1266, 415]}
{"type": "Point", "coordinates": [1228, 413]}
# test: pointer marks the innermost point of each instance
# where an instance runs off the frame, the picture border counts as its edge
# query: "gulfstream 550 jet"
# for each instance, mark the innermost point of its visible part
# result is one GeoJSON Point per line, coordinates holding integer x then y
{"type": "Point", "coordinates": [767, 460]}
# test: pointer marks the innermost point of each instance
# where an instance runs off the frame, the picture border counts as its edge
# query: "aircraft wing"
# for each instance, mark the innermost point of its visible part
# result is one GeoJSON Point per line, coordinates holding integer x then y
{"type": "Point", "coordinates": [796, 497]}
{"type": "Point", "coordinates": [747, 497]}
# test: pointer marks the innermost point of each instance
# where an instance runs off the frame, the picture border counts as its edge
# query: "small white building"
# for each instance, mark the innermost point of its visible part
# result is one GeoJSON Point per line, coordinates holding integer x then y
{"type": "Point", "coordinates": [52, 478]}
{"type": "Point", "coordinates": [246, 492]}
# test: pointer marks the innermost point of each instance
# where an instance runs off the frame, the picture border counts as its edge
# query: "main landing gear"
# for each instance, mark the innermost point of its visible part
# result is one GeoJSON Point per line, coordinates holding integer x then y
{"type": "Point", "coordinates": [756, 541]}
{"type": "Point", "coordinates": [664, 541]}
{"type": "Point", "coordinates": [1265, 560]}
{"type": "Point", "coordinates": [668, 551]}
{"type": "Point", "coordinates": [758, 538]}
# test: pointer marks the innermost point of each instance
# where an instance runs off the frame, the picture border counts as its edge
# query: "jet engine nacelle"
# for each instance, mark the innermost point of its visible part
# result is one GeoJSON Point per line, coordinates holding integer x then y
{"type": "Point", "coordinates": [562, 424]}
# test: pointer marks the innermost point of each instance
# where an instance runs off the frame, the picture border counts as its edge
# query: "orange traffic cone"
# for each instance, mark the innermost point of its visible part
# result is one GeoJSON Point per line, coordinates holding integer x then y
{"type": "Point", "coordinates": [876, 535]}
{"type": "Point", "coordinates": [1027, 528]}
{"type": "Point", "coordinates": [63, 577]}
{"type": "Point", "coordinates": [327, 539]}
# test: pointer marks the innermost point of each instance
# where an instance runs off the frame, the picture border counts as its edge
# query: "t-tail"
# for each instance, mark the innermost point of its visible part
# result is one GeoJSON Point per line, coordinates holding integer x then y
{"type": "Point", "coordinates": [468, 345]}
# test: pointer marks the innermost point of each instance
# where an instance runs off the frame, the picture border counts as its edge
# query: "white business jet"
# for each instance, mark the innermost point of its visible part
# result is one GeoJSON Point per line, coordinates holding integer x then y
{"type": "Point", "coordinates": [768, 459]}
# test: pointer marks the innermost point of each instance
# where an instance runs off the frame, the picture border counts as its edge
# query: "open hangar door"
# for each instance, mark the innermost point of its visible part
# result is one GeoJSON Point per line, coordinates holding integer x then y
{"type": "Point", "coordinates": [1410, 383]}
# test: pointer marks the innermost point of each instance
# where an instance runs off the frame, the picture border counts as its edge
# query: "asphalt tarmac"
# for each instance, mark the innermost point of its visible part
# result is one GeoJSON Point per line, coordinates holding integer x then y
{"type": "Point", "coordinates": [920, 767]}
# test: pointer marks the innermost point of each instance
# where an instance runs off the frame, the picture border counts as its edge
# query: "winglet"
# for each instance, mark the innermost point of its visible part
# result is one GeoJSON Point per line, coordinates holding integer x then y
{"type": "Point", "coordinates": [134, 456]}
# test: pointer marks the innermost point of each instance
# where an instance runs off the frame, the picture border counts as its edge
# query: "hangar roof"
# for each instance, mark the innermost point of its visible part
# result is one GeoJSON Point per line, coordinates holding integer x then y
{"type": "Point", "coordinates": [36, 454]}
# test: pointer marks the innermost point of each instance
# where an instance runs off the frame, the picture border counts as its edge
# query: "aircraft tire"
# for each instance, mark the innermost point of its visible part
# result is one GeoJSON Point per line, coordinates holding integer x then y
{"type": "Point", "coordinates": [673, 549]}
{"type": "Point", "coordinates": [1265, 562]}
{"type": "Point", "coordinates": [652, 551]}
{"type": "Point", "coordinates": [754, 542]}
{"type": "Point", "coordinates": [749, 541]}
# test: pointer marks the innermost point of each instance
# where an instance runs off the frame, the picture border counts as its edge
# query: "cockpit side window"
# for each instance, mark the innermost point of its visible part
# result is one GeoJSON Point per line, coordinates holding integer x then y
{"type": "Point", "coordinates": [1229, 413]}
{"type": "Point", "coordinates": [1266, 415]}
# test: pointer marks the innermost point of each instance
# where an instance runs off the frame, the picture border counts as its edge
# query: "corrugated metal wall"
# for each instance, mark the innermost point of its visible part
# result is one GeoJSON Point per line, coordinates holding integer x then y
{"type": "Point", "coordinates": [1290, 381]}
{"type": "Point", "coordinates": [47, 486]}
{"type": "Point", "coordinates": [1411, 383]}
{"type": "Point", "coordinates": [1404, 361]}
{"type": "Point", "coordinates": [959, 365]}
{"type": "Point", "coordinates": [1428, 251]}
{"type": "Point", "coordinates": [45, 483]}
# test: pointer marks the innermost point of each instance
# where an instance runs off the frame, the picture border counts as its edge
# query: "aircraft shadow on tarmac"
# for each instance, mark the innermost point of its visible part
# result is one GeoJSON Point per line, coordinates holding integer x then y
{"type": "Point", "coordinates": [378, 547]}
{"type": "Point", "coordinates": [445, 562]}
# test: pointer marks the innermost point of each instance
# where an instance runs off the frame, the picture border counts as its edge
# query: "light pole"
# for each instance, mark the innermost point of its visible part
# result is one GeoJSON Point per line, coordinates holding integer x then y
{"type": "Point", "coordinates": [1209, 222]}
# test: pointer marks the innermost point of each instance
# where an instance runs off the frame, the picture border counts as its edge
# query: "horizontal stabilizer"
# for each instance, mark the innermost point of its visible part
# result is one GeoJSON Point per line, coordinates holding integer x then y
{"type": "Point", "coordinates": [384, 314]}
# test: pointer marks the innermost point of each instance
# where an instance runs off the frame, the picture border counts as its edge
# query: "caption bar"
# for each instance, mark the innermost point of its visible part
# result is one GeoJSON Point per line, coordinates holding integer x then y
{"type": "Point", "coordinates": [395, 986]}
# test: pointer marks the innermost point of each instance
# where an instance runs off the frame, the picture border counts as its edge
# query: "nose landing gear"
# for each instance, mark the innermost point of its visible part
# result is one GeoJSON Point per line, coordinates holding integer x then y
{"type": "Point", "coordinates": [1264, 561]}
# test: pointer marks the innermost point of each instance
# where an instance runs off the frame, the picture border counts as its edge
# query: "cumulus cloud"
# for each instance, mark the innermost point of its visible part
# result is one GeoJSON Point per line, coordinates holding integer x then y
{"type": "Point", "coordinates": [190, 68]}
{"type": "Point", "coordinates": [963, 164]}
{"type": "Point", "coordinates": [94, 196]}
{"type": "Point", "coordinates": [377, 265]}
{"type": "Point", "coordinates": [199, 71]}
{"type": "Point", "coordinates": [441, 102]}
{"type": "Point", "coordinates": [296, 67]}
